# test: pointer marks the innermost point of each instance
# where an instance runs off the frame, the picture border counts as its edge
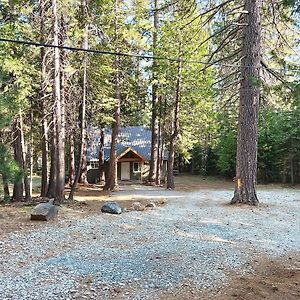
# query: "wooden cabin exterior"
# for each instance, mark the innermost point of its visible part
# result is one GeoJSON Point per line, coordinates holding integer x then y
{"type": "Point", "coordinates": [133, 155]}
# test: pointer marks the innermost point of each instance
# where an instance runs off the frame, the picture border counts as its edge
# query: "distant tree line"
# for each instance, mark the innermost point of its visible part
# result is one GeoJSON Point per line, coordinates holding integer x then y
{"type": "Point", "coordinates": [221, 93]}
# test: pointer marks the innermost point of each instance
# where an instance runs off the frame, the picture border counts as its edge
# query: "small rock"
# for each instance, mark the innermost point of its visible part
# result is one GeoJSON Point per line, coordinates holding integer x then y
{"type": "Point", "coordinates": [117, 290]}
{"type": "Point", "coordinates": [111, 208]}
{"type": "Point", "coordinates": [150, 205]}
{"type": "Point", "coordinates": [44, 212]}
{"type": "Point", "coordinates": [275, 288]}
{"type": "Point", "coordinates": [77, 295]}
{"type": "Point", "coordinates": [162, 201]}
{"type": "Point", "coordinates": [138, 206]}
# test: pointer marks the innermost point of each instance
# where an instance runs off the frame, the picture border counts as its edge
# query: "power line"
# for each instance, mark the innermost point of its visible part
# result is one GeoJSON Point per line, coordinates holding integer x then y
{"type": "Point", "coordinates": [148, 57]}
{"type": "Point", "coordinates": [90, 50]}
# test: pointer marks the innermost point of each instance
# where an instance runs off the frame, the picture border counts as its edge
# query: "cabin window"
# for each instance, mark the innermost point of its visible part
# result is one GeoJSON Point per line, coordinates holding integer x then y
{"type": "Point", "coordinates": [94, 165]}
{"type": "Point", "coordinates": [136, 167]}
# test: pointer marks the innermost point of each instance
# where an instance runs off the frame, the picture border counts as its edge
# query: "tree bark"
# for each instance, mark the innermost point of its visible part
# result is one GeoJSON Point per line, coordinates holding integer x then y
{"type": "Point", "coordinates": [52, 178]}
{"type": "Point", "coordinates": [31, 151]}
{"type": "Point", "coordinates": [174, 137]}
{"type": "Point", "coordinates": [159, 149]}
{"type": "Point", "coordinates": [11, 14]}
{"type": "Point", "coordinates": [83, 177]}
{"type": "Point", "coordinates": [5, 187]}
{"type": "Point", "coordinates": [204, 156]}
{"type": "Point", "coordinates": [112, 180]}
{"type": "Point", "coordinates": [5, 178]}
{"type": "Point", "coordinates": [83, 174]}
{"type": "Point", "coordinates": [154, 118]}
{"type": "Point", "coordinates": [246, 161]}
{"type": "Point", "coordinates": [45, 151]}
{"type": "Point", "coordinates": [160, 143]}
{"type": "Point", "coordinates": [72, 160]}
{"type": "Point", "coordinates": [18, 156]}
{"type": "Point", "coordinates": [82, 153]}
{"type": "Point", "coordinates": [101, 158]}
{"type": "Point", "coordinates": [59, 112]}
{"type": "Point", "coordinates": [43, 88]}
{"type": "Point", "coordinates": [163, 134]}
{"type": "Point", "coordinates": [24, 162]}
{"type": "Point", "coordinates": [284, 180]}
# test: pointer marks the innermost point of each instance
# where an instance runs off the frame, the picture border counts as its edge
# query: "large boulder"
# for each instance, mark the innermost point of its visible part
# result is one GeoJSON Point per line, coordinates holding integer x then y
{"type": "Point", "coordinates": [44, 212]}
{"type": "Point", "coordinates": [111, 208]}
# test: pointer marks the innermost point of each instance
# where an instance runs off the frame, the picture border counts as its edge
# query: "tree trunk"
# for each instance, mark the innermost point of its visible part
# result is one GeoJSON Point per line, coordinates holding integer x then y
{"type": "Point", "coordinates": [101, 158]}
{"type": "Point", "coordinates": [154, 122]}
{"type": "Point", "coordinates": [161, 158]}
{"type": "Point", "coordinates": [246, 162]}
{"type": "Point", "coordinates": [193, 165]}
{"type": "Point", "coordinates": [72, 160]}
{"type": "Point", "coordinates": [160, 144]}
{"type": "Point", "coordinates": [11, 14]}
{"type": "Point", "coordinates": [30, 152]}
{"type": "Point", "coordinates": [159, 150]}
{"type": "Point", "coordinates": [18, 156]}
{"type": "Point", "coordinates": [17, 139]}
{"type": "Point", "coordinates": [284, 172]}
{"type": "Point", "coordinates": [52, 178]}
{"type": "Point", "coordinates": [83, 177]}
{"type": "Point", "coordinates": [204, 157]}
{"type": "Point", "coordinates": [163, 133]}
{"type": "Point", "coordinates": [24, 162]}
{"type": "Point", "coordinates": [174, 137]}
{"type": "Point", "coordinates": [5, 187]}
{"type": "Point", "coordinates": [170, 175]}
{"type": "Point", "coordinates": [59, 112]}
{"type": "Point", "coordinates": [112, 180]}
{"type": "Point", "coordinates": [43, 88]}
{"type": "Point", "coordinates": [82, 153]}
{"type": "Point", "coordinates": [44, 180]}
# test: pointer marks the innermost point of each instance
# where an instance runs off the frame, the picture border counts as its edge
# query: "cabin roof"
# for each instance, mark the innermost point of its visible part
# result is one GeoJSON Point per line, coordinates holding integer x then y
{"type": "Point", "coordinates": [138, 138]}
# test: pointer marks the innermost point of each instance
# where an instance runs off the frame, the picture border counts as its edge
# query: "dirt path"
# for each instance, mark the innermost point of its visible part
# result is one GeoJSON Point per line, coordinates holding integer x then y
{"type": "Point", "coordinates": [195, 247]}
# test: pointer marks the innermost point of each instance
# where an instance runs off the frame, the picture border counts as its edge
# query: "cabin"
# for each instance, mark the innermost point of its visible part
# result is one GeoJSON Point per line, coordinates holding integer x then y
{"type": "Point", "coordinates": [133, 154]}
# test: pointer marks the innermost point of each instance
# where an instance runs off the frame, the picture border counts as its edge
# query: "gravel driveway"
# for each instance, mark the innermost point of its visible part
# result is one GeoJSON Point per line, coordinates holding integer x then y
{"type": "Point", "coordinates": [194, 241]}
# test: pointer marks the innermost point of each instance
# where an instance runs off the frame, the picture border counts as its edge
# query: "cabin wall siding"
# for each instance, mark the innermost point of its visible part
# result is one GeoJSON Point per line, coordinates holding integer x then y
{"type": "Point", "coordinates": [93, 174]}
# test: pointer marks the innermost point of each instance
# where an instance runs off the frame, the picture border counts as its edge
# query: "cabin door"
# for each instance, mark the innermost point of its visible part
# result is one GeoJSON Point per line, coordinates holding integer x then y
{"type": "Point", "coordinates": [125, 171]}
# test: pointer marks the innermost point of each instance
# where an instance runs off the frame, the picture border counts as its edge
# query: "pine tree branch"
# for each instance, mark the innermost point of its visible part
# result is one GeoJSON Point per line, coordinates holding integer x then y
{"type": "Point", "coordinates": [164, 7]}
{"type": "Point", "coordinates": [231, 99]}
{"type": "Point", "coordinates": [221, 59]}
{"type": "Point", "coordinates": [214, 35]}
{"type": "Point", "coordinates": [224, 78]}
{"type": "Point", "coordinates": [214, 9]}
{"type": "Point", "coordinates": [223, 43]}
{"type": "Point", "coordinates": [189, 12]}
{"type": "Point", "coordinates": [234, 83]}
{"type": "Point", "coordinates": [230, 12]}
{"type": "Point", "coordinates": [276, 75]}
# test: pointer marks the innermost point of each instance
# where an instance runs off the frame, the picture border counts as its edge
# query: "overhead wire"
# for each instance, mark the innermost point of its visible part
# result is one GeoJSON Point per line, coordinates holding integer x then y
{"type": "Point", "coordinates": [140, 56]}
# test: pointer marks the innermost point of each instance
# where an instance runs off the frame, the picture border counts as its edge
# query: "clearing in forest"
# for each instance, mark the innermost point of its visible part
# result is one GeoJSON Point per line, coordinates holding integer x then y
{"type": "Point", "coordinates": [194, 247]}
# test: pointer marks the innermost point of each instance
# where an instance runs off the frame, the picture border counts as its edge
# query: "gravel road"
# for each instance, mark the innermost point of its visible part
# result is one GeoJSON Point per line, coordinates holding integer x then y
{"type": "Point", "coordinates": [195, 241]}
